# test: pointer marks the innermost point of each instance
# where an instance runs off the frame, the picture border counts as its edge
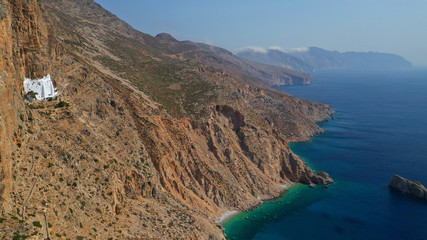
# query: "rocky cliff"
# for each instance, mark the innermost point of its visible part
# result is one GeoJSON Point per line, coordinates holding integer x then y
{"type": "Point", "coordinates": [143, 143]}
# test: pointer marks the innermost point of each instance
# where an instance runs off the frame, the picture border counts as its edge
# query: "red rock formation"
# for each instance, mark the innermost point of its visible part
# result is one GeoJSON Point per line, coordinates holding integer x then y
{"type": "Point", "coordinates": [126, 155]}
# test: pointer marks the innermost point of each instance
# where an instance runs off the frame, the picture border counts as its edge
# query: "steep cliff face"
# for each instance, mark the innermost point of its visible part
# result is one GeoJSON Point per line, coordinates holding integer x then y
{"type": "Point", "coordinates": [23, 53]}
{"type": "Point", "coordinates": [144, 144]}
{"type": "Point", "coordinates": [9, 91]}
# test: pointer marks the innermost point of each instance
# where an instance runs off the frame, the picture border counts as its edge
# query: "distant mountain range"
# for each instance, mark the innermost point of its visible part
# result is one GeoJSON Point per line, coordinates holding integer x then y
{"type": "Point", "coordinates": [222, 59]}
{"type": "Point", "coordinates": [314, 59]}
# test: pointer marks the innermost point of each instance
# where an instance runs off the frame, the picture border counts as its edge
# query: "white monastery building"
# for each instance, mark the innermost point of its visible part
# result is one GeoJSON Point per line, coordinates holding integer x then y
{"type": "Point", "coordinates": [43, 87]}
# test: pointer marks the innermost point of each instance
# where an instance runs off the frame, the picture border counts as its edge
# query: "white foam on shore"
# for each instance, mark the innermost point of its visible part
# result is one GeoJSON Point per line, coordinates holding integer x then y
{"type": "Point", "coordinates": [224, 217]}
{"type": "Point", "coordinates": [288, 185]}
{"type": "Point", "coordinates": [227, 215]}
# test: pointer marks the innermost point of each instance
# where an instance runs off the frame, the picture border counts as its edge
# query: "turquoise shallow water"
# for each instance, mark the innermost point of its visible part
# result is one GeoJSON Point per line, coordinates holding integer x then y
{"type": "Point", "coordinates": [380, 129]}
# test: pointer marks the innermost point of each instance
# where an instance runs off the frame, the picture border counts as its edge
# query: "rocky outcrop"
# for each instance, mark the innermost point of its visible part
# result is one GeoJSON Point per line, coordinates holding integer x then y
{"type": "Point", "coordinates": [410, 187]}
{"type": "Point", "coordinates": [165, 38]}
{"type": "Point", "coordinates": [322, 178]}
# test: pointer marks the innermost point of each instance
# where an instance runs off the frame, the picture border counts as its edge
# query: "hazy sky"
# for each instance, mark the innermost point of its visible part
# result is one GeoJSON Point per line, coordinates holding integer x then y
{"type": "Point", "coordinates": [393, 26]}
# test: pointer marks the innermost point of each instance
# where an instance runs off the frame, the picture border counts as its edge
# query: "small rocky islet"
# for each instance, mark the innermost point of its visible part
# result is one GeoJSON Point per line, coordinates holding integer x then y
{"type": "Point", "coordinates": [406, 186]}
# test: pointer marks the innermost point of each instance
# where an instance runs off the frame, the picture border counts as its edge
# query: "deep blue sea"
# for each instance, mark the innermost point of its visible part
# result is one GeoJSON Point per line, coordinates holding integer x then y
{"type": "Point", "coordinates": [380, 129]}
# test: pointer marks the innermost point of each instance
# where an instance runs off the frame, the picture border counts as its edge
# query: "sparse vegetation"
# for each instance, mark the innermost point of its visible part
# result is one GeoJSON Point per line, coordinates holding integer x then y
{"type": "Point", "coordinates": [31, 95]}
{"type": "Point", "coordinates": [155, 77]}
{"type": "Point", "coordinates": [17, 236]}
{"type": "Point", "coordinates": [37, 224]}
{"type": "Point", "coordinates": [62, 104]}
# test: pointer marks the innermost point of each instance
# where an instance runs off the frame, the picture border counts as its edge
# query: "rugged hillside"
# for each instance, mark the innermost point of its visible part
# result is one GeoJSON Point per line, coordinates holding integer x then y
{"type": "Point", "coordinates": [315, 59]}
{"type": "Point", "coordinates": [228, 62]}
{"type": "Point", "coordinates": [269, 74]}
{"type": "Point", "coordinates": [150, 145]}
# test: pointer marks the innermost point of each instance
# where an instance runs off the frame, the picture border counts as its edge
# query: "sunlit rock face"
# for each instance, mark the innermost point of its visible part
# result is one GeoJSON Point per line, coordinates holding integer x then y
{"type": "Point", "coordinates": [147, 138]}
{"type": "Point", "coordinates": [42, 87]}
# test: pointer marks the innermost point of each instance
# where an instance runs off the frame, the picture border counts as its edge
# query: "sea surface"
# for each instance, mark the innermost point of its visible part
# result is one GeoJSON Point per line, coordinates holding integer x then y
{"type": "Point", "coordinates": [380, 129]}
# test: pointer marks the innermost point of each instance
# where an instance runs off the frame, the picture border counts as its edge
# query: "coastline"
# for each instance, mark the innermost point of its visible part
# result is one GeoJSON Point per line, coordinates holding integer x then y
{"type": "Point", "coordinates": [229, 215]}
{"type": "Point", "coordinates": [226, 216]}
{"type": "Point", "coordinates": [349, 209]}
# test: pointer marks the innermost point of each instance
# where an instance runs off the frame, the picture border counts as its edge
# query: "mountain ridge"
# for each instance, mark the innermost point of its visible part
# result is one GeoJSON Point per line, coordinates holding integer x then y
{"type": "Point", "coordinates": [216, 56]}
{"type": "Point", "coordinates": [316, 59]}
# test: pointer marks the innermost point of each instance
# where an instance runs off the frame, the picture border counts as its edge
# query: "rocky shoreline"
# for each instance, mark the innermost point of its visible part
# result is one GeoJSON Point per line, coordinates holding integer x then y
{"type": "Point", "coordinates": [321, 178]}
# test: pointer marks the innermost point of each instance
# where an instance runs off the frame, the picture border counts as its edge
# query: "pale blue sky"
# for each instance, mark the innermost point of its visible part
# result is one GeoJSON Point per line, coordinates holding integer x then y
{"type": "Point", "coordinates": [393, 26]}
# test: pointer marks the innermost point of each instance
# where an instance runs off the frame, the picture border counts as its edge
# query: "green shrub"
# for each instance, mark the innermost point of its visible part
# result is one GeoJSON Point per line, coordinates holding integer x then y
{"type": "Point", "coordinates": [62, 104]}
{"type": "Point", "coordinates": [18, 237]}
{"type": "Point", "coordinates": [37, 224]}
{"type": "Point", "coordinates": [31, 95]}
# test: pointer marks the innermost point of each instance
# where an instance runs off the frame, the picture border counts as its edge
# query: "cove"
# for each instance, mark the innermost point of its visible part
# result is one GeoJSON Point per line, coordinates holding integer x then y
{"type": "Point", "coordinates": [380, 129]}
